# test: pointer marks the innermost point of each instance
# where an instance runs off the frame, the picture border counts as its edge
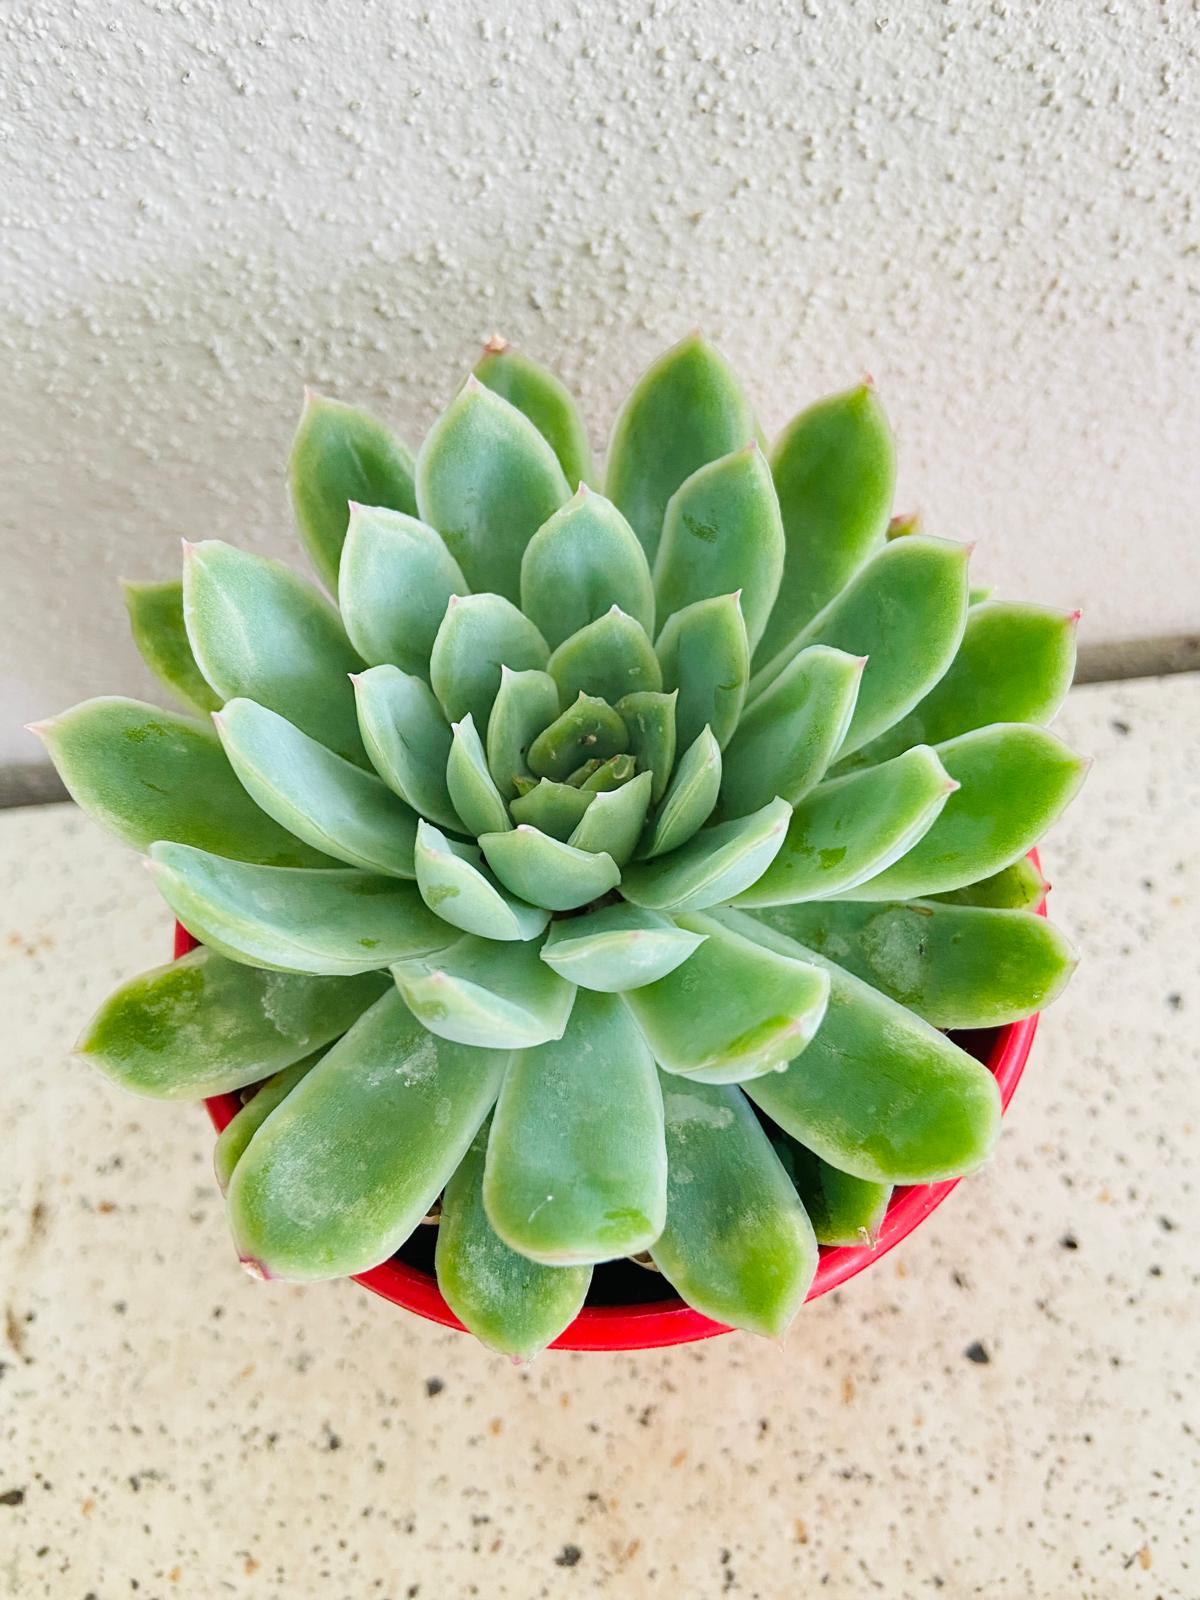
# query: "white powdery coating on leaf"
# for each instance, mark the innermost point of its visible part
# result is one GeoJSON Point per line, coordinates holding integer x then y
{"type": "Point", "coordinates": [682, 1108]}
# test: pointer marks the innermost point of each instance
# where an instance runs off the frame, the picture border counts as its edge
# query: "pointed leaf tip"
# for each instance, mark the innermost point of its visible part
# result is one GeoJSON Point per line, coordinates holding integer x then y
{"type": "Point", "coordinates": [496, 345]}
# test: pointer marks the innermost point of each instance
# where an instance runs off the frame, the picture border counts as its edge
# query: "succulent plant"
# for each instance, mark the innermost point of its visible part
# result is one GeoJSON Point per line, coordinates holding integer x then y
{"type": "Point", "coordinates": [606, 867]}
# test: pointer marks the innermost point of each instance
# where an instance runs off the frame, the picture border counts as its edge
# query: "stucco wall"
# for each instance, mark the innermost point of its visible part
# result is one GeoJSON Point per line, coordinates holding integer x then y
{"type": "Point", "coordinates": [988, 206]}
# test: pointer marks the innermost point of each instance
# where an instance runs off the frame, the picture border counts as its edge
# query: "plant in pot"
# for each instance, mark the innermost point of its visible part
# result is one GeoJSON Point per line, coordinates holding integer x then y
{"type": "Point", "coordinates": [603, 876]}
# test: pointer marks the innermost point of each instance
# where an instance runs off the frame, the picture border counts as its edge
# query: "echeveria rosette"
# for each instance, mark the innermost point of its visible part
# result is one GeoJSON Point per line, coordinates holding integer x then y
{"type": "Point", "coordinates": [605, 866]}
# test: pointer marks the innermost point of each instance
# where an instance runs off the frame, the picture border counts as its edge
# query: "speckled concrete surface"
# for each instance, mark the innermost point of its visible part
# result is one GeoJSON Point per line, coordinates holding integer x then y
{"type": "Point", "coordinates": [1005, 1407]}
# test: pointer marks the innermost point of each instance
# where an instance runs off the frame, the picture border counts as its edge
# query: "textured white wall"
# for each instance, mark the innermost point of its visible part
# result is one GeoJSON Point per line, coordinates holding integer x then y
{"type": "Point", "coordinates": [991, 207]}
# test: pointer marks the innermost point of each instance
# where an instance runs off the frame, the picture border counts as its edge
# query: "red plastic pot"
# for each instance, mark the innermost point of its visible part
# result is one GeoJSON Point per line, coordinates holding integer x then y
{"type": "Point", "coordinates": [657, 1323]}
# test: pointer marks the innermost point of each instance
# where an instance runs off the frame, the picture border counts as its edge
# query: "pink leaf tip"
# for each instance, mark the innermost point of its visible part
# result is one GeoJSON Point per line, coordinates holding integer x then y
{"type": "Point", "coordinates": [496, 345]}
{"type": "Point", "coordinates": [255, 1268]}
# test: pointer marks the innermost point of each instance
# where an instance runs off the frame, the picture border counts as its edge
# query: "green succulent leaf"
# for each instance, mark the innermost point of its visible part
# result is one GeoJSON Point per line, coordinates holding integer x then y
{"type": "Point", "coordinates": [723, 533]}
{"type": "Point", "coordinates": [650, 720]}
{"type": "Point", "coordinates": [329, 803]}
{"type": "Point", "coordinates": [481, 991]}
{"type": "Point", "coordinates": [576, 1165]}
{"type": "Point", "coordinates": [713, 866]}
{"type": "Point", "coordinates": [525, 703]}
{"type": "Point", "coordinates": [583, 560]}
{"type": "Point", "coordinates": [553, 808]}
{"type": "Point", "coordinates": [342, 1172]}
{"type": "Point", "coordinates": [397, 578]}
{"type": "Point", "coordinates": [608, 658]}
{"type": "Point", "coordinates": [545, 871]}
{"type": "Point", "coordinates": [612, 824]}
{"type": "Point", "coordinates": [203, 1025]}
{"type": "Point", "coordinates": [834, 467]}
{"type": "Point", "coordinates": [479, 634]}
{"type": "Point", "coordinates": [511, 1304]}
{"type": "Point", "coordinates": [147, 774]}
{"type": "Point", "coordinates": [733, 1010]}
{"type": "Point", "coordinates": [295, 919]}
{"type": "Point", "coordinates": [474, 796]}
{"type": "Point", "coordinates": [156, 623]}
{"type": "Point", "coordinates": [843, 1210]}
{"type": "Point", "coordinates": [586, 731]}
{"type": "Point", "coordinates": [544, 400]}
{"type": "Point", "coordinates": [689, 800]}
{"type": "Point", "coordinates": [879, 1094]}
{"type": "Point", "coordinates": [849, 829]}
{"type": "Point", "coordinates": [786, 740]}
{"type": "Point", "coordinates": [618, 947]}
{"type": "Point", "coordinates": [599, 777]}
{"type": "Point", "coordinates": [236, 1135]}
{"type": "Point", "coordinates": [407, 738]}
{"type": "Point", "coordinates": [487, 480]}
{"type": "Point", "coordinates": [686, 411]}
{"type": "Point", "coordinates": [1020, 887]}
{"type": "Point", "coordinates": [455, 886]}
{"type": "Point", "coordinates": [705, 657]}
{"type": "Point", "coordinates": [339, 455]}
{"type": "Point", "coordinates": [261, 632]}
{"type": "Point", "coordinates": [736, 1245]}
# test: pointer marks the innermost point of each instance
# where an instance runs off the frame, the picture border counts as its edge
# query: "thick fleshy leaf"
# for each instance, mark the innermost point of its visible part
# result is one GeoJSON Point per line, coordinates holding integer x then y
{"type": "Point", "coordinates": [786, 740]}
{"type": "Point", "coordinates": [1020, 887]}
{"type": "Point", "coordinates": [733, 1010]}
{"type": "Point", "coordinates": [473, 795]}
{"type": "Point", "coordinates": [396, 581]}
{"type": "Point", "coordinates": [407, 738]}
{"type": "Point", "coordinates": [156, 623]}
{"type": "Point", "coordinates": [482, 992]}
{"type": "Point", "coordinates": [479, 634]}
{"type": "Point", "coordinates": [843, 1210]}
{"type": "Point", "coordinates": [736, 1245]}
{"type": "Point", "coordinates": [879, 1093]}
{"type": "Point", "coordinates": [525, 704]}
{"type": "Point", "coordinates": [329, 803]}
{"type": "Point", "coordinates": [203, 1025]}
{"type": "Point", "coordinates": [849, 829]}
{"type": "Point", "coordinates": [650, 720]}
{"type": "Point", "coordinates": [905, 611]}
{"type": "Point", "coordinates": [612, 824]}
{"type": "Point", "coordinates": [1015, 664]}
{"type": "Point", "coordinates": [236, 1135]}
{"type": "Point", "coordinates": [834, 467]}
{"type": "Point", "coordinates": [723, 533]}
{"type": "Point", "coordinates": [487, 480]}
{"type": "Point", "coordinates": [599, 777]}
{"type": "Point", "coordinates": [586, 731]}
{"type": "Point", "coordinates": [554, 808]}
{"type": "Point", "coordinates": [343, 1171]}
{"type": "Point", "coordinates": [686, 411]}
{"type": "Point", "coordinates": [510, 1303]}
{"type": "Point", "coordinates": [704, 655]}
{"type": "Point", "coordinates": [609, 658]}
{"type": "Point", "coordinates": [1014, 781]}
{"type": "Point", "coordinates": [580, 562]}
{"type": "Point", "coordinates": [295, 919]}
{"type": "Point", "coordinates": [618, 947]}
{"type": "Point", "coordinates": [956, 966]}
{"type": "Point", "coordinates": [576, 1165]}
{"type": "Point", "coordinates": [689, 800]}
{"type": "Point", "coordinates": [545, 871]}
{"type": "Point", "coordinates": [453, 884]}
{"type": "Point", "coordinates": [339, 455]}
{"type": "Point", "coordinates": [147, 774]}
{"type": "Point", "coordinates": [713, 866]}
{"type": "Point", "coordinates": [544, 400]}
{"type": "Point", "coordinates": [261, 632]}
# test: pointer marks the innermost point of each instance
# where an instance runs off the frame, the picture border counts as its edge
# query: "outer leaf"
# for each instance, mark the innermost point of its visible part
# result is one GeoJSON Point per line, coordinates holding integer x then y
{"type": "Point", "coordinates": [329, 803]}
{"type": "Point", "coordinates": [260, 631]}
{"type": "Point", "coordinates": [576, 1166]}
{"type": "Point", "coordinates": [705, 656]}
{"type": "Point", "coordinates": [407, 739]}
{"type": "Point", "coordinates": [546, 872]}
{"type": "Point", "coordinates": [526, 702]}
{"type": "Point", "coordinates": [1020, 887]}
{"type": "Point", "coordinates": [687, 410]}
{"type": "Point", "coordinates": [473, 794]}
{"type": "Point", "coordinates": [544, 400]}
{"type": "Point", "coordinates": [618, 947]}
{"type": "Point", "coordinates": [714, 866]}
{"type": "Point", "coordinates": [850, 828]}
{"type": "Point", "coordinates": [588, 730]}
{"type": "Point", "coordinates": [723, 533]}
{"type": "Point", "coordinates": [733, 1011]}
{"type": "Point", "coordinates": [956, 966]}
{"type": "Point", "coordinates": [147, 774]}
{"type": "Point", "coordinates": [835, 469]}
{"type": "Point", "coordinates": [156, 623]}
{"type": "Point", "coordinates": [585, 559]}
{"type": "Point", "coordinates": [1014, 782]}
{"type": "Point", "coordinates": [479, 634]}
{"type": "Point", "coordinates": [294, 919]}
{"type": "Point", "coordinates": [609, 658]}
{"type": "Point", "coordinates": [396, 581]}
{"type": "Point", "coordinates": [650, 719]}
{"type": "Point", "coordinates": [737, 1245]}
{"type": "Point", "coordinates": [236, 1135]}
{"type": "Point", "coordinates": [342, 1172]}
{"type": "Point", "coordinates": [612, 824]}
{"type": "Point", "coordinates": [879, 1094]}
{"type": "Point", "coordinates": [480, 991]}
{"type": "Point", "coordinates": [203, 1025]}
{"type": "Point", "coordinates": [453, 884]}
{"type": "Point", "coordinates": [487, 480]}
{"type": "Point", "coordinates": [512, 1304]}
{"type": "Point", "coordinates": [787, 738]}
{"type": "Point", "coordinates": [553, 808]}
{"type": "Point", "coordinates": [843, 1210]}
